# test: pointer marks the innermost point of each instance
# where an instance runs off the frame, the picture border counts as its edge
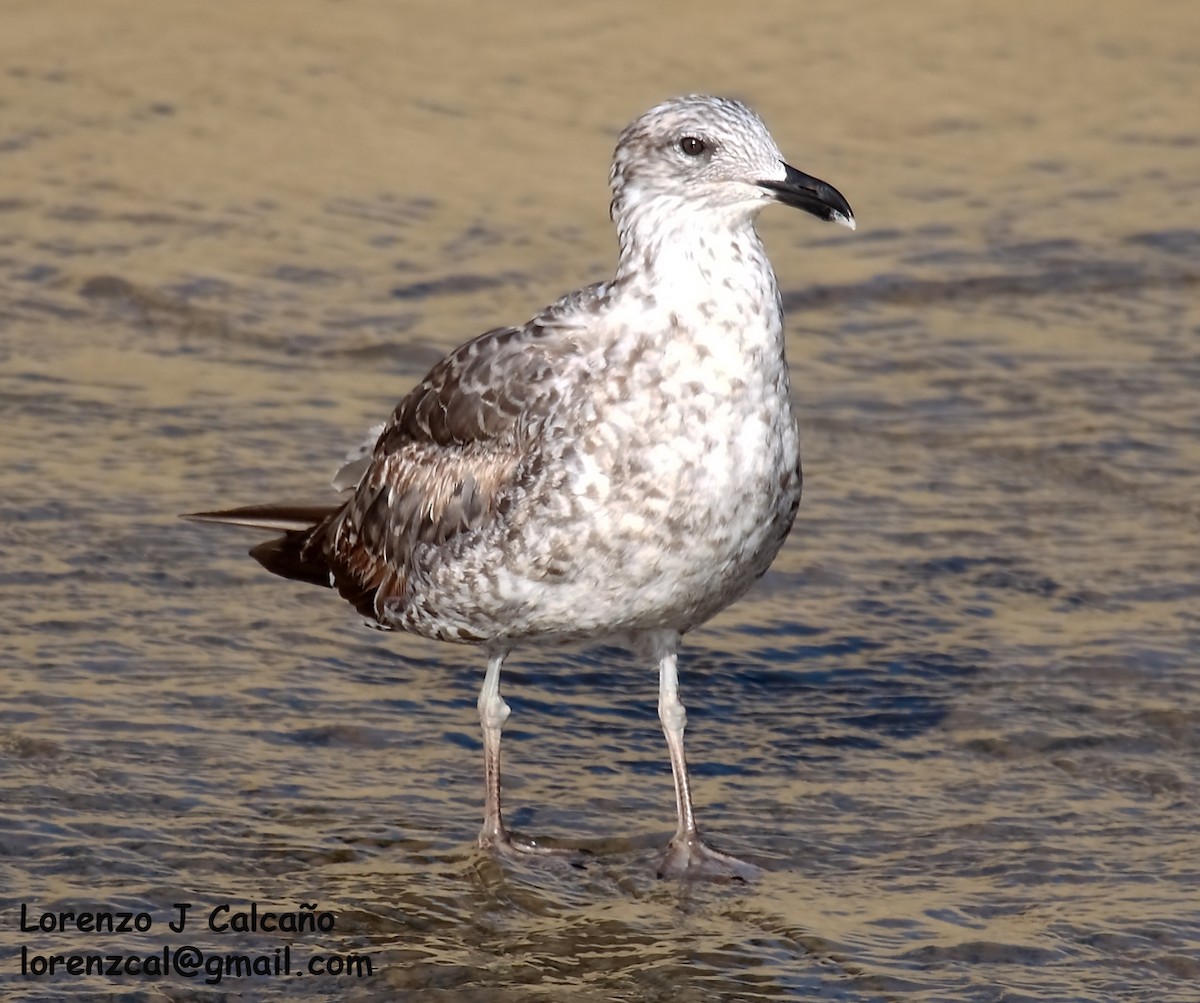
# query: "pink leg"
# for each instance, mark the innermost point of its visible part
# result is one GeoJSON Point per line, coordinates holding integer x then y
{"type": "Point", "coordinates": [687, 855]}
{"type": "Point", "coordinates": [493, 712]}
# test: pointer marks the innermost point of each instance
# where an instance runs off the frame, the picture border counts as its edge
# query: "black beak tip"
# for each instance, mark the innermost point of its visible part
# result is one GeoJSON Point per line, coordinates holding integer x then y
{"type": "Point", "coordinates": [802, 191]}
{"type": "Point", "coordinates": [842, 216]}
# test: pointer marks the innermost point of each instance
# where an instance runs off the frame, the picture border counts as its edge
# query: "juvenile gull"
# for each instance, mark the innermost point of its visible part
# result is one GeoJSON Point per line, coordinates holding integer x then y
{"type": "Point", "coordinates": [620, 468]}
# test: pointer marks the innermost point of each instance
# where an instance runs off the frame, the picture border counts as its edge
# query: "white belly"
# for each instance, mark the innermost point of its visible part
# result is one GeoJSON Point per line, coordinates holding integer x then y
{"type": "Point", "coordinates": [686, 511]}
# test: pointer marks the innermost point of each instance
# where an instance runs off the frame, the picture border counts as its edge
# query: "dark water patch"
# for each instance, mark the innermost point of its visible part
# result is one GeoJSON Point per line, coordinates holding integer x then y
{"type": "Point", "coordinates": [1049, 166]}
{"type": "Point", "coordinates": [1181, 242]}
{"type": "Point", "coordinates": [33, 308]}
{"type": "Point", "coordinates": [74, 249]}
{"type": "Point", "coordinates": [1040, 250]}
{"type": "Point", "coordinates": [391, 210]}
{"type": "Point", "coordinates": [985, 952]}
{"type": "Point", "coordinates": [1093, 479]}
{"type": "Point", "coordinates": [1000, 573]}
{"type": "Point", "coordinates": [394, 323]}
{"type": "Point", "coordinates": [399, 357]}
{"type": "Point", "coordinates": [159, 220]}
{"type": "Point", "coordinates": [336, 735]}
{"type": "Point", "coordinates": [936, 194]}
{"type": "Point", "coordinates": [136, 307]}
{"type": "Point", "coordinates": [1086, 277]}
{"type": "Point", "coordinates": [74, 213]}
{"type": "Point", "coordinates": [782, 656]}
{"type": "Point", "coordinates": [150, 308]}
{"type": "Point", "coordinates": [948, 260]}
{"type": "Point", "coordinates": [878, 700]}
{"type": "Point", "coordinates": [781, 628]}
{"type": "Point", "coordinates": [20, 141]}
{"type": "Point", "coordinates": [42, 510]}
{"type": "Point", "coordinates": [105, 287]}
{"type": "Point", "coordinates": [884, 235]}
{"type": "Point", "coordinates": [305, 276]}
{"type": "Point", "coordinates": [1096, 194]}
{"type": "Point", "coordinates": [384, 240]}
{"type": "Point", "coordinates": [1176, 140]}
{"type": "Point", "coordinates": [454, 285]}
{"type": "Point", "coordinates": [478, 236]}
{"type": "Point", "coordinates": [37, 274]}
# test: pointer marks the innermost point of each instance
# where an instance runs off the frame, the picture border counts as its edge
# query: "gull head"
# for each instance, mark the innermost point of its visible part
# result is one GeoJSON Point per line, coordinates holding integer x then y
{"type": "Point", "coordinates": [715, 156]}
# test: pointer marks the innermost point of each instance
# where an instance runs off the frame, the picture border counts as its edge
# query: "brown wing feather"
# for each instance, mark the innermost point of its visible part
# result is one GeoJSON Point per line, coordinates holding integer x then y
{"type": "Point", "coordinates": [443, 465]}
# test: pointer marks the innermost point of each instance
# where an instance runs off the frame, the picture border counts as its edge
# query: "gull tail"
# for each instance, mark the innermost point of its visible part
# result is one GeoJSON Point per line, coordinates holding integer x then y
{"type": "Point", "coordinates": [290, 555]}
{"type": "Point", "coordinates": [288, 518]}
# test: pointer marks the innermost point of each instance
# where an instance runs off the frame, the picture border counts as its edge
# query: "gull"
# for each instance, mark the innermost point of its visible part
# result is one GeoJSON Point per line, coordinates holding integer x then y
{"type": "Point", "coordinates": [616, 470]}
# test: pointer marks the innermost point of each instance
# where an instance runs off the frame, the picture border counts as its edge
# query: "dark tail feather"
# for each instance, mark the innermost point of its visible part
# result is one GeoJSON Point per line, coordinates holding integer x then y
{"type": "Point", "coordinates": [288, 556]}
{"type": "Point", "coordinates": [286, 517]}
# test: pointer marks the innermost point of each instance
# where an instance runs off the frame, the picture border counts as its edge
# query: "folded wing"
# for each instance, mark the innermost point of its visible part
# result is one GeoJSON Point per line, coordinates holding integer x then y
{"type": "Point", "coordinates": [449, 462]}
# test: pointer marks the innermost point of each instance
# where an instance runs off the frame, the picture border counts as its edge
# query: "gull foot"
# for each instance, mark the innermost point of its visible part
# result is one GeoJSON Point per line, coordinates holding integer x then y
{"type": "Point", "coordinates": [688, 856]}
{"type": "Point", "coordinates": [505, 844]}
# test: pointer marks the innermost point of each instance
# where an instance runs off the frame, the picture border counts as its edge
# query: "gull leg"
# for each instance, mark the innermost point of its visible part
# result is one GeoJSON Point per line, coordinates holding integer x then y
{"type": "Point", "coordinates": [493, 712]}
{"type": "Point", "coordinates": [687, 854]}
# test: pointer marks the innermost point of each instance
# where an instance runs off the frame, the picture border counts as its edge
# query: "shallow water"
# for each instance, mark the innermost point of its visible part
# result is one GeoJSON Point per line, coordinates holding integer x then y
{"type": "Point", "coordinates": [957, 722]}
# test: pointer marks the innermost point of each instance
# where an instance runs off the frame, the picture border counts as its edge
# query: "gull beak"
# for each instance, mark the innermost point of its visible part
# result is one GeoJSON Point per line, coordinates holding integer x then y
{"type": "Point", "coordinates": [810, 194]}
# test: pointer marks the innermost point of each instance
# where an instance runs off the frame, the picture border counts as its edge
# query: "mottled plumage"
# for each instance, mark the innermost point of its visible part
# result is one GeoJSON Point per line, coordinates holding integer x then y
{"type": "Point", "coordinates": [622, 466]}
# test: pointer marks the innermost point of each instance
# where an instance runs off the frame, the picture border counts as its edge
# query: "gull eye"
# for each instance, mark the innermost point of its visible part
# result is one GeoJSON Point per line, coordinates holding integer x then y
{"type": "Point", "coordinates": [693, 146]}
